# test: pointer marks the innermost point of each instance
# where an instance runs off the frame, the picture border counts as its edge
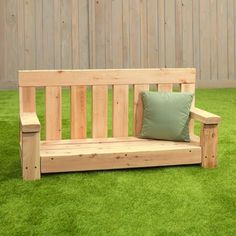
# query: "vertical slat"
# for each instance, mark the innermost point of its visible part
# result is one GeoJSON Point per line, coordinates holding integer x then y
{"type": "Point", "coordinates": [190, 88]}
{"type": "Point", "coordinates": [170, 33]}
{"type": "Point", "coordinates": [27, 99]}
{"type": "Point", "coordinates": [99, 111]}
{"type": "Point", "coordinates": [3, 38]}
{"type": "Point", "coordinates": [75, 34]}
{"type": "Point", "coordinates": [78, 112]}
{"type": "Point", "coordinates": [138, 108]}
{"type": "Point", "coordinates": [222, 40]}
{"type": "Point", "coordinates": [117, 58]}
{"type": "Point", "coordinates": [205, 39]}
{"type": "Point", "coordinates": [152, 34]}
{"type": "Point", "coordinates": [66, 34]}
{"type": "Point", "coordinates": [53, 113]}
{"type": "Point", "coordinates": [135, 28]}
{"type": "Point", "coordinates": [108, 31]}
{"type": "Point", "coordinates": [126, 36]}
{"type": "Point", "coordinates": [164, 87]}
{"type": "Point", "coordinates": [57, 33]}
{"type": "Point", "coordinates": [120, 111]}
{"type": "Point", "coordinates": [187, 33]}
{"type": "Point", "coordinates": [179, 34]}
{"type": "Point", "coordinates": [161, 32]}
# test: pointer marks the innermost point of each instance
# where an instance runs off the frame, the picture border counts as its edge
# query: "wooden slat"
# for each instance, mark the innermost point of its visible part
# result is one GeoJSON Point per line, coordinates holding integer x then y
{"type": "Point", "coordinates": [118, 159]}
{"type": "Point", "coordinates": [138, 108]}
{"type": "Point", "coordinates": [106, 77]}
{"type": "Point", "coordinates": [99, 111]}
{"type": "Point", "coordinates": [78, 112]}
{"type": "Point", "coordinates": [27, 99]}
{"type": "Point", "coordinates": [53, 112]}
{"type": "Point", "coordinates": [204, 116]}
{"type": "Point", "coordinates": [164, 87]}
{"type": "Point", "coordinates": [190, 88]}
{"type": "Point", "coordinates": [120, 111]}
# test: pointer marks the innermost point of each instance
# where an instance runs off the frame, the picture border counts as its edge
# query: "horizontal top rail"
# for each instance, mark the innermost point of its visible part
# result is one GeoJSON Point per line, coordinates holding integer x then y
{"type": "Point", "coordinates": [39, 78]}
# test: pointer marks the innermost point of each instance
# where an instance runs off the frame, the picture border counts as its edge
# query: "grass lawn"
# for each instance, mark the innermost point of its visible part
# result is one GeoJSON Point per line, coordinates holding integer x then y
{"type": "Point", "coordinates": [157, 201]}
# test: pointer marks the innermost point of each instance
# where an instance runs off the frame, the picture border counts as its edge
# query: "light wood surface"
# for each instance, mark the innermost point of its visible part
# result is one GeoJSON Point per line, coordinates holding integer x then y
{"type": "Point", "coordinates": [209, 138]}
{"type": "Point", "coordinates": [53, 112]}
{"type": "Point", "coordinates": [107, 77]}
{"type": "Point", "coordinates": [204, 116]}
{"type": "Point", "coordinates": [78, 112]}
{"type": "Point", "coordinates": [27, 99]}
{"type": "Point", "coordinates": [99, 111]}
{"type": "Point", "coordinates": [120, 111]}
{"type": "Point", "coordinates": [133, 153]}
{"type": "Point", "coordinates": [29, 122]}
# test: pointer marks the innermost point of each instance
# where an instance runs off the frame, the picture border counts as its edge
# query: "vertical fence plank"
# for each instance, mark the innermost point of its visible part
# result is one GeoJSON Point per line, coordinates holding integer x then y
{"type": "Point", "coordinates": [53, 113]}
{"type": "Point", "coordinates": [3, 41]}
{"type": "Point", "coordinates": [120, 111]}
{"type": "Point", "coordinates": [109, 31]}
{"type": "Point", "coordinates": [99, 111]}
{"type": "Point", "coordinates": [57, 33]}
{"type": "Point", "coordinates": [161, 33]}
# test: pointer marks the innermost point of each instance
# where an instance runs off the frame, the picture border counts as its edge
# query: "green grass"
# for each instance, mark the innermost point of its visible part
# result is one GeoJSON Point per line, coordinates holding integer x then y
{"type": "Point", "coordinates": [158, 201]}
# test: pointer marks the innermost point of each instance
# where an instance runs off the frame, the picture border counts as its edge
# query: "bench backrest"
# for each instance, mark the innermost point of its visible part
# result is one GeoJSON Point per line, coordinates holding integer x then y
{"type": "Point", "coordinates": [99, 80]}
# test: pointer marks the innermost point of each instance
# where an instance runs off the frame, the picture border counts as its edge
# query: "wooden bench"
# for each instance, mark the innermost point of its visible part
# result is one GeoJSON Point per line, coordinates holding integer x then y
{"type": "Point", "coordinates": [100, 152]}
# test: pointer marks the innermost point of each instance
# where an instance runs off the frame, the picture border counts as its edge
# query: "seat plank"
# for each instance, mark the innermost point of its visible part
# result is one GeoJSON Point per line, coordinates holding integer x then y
{"type": "Point", "coordinates": [120, 111]}
{"type": "Point", "coordinates": [53, 112]}
{"type": "Point", "coordinates": [78, 112]}
{"type": "Point", "coordinates": [82, 156]}
{"type": "Point", "coordinates": [99, 111]}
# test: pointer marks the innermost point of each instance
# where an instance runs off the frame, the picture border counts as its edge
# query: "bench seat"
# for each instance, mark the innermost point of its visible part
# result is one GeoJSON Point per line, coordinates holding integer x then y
{"type": "Point", "coordinates": [115, 153]}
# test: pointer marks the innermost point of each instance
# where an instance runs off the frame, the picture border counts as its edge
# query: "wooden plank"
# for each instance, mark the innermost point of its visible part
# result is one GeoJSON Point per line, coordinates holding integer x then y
{"type": "Point", "coordinates": [179, 34]}
{"type": "Point", "coordinates": [100, 34]}
{"type": "Point", "coordinates": [99, 111]}
{"type": "Point", "coordinates": [29, 122]}
{"type": "Point", "coordinates": [190, 88]}
{"type": "Point", "coordinates": [222, 40]}
{"type": "Point", "coordinates": [53, 112]}
{"type": "Point", "coordinates": [170, 33]}
{"type": "Point", "coordinates": [231, 45]}
{"type": "Point", "coordinates": [143, 34]}
{"type": "Point", "coordinates": [11, 63]}
{"type": "Point", "coordinates": [213, 39]}
{"type": "Point", "coordinates": [78, 112]}
{"type": "Point", "coordinates": [39, 34]}
{"type": "Point", "coordinates": [125, 31]}
{"type": "Point", "coordinates": [120, 111]}
{"type": "Point", "coordinates": [135, 28]}
{"type": "Point", "coordinates": [196, 37]}
{"type": "Point", "coordinates": [3, 76]}
{"type": "Point", "coordinates": [161, 32]}
{"type": "Point", "coordinates": [30, 156]}
{"type": "Point", "coordinates": [75, 34]}
{"type": "Point", "coordinates": [117, 57]}
{"type": "Point", "coordinates": [187, 12]}
{"type": "Point", "coordinates": [66, 34]}
{"type": "Point", "coordinates": [119, 160]}
{"type": "Point", "coordinates": [165, 87]}
{"type": "Point", "coordinates": [152, 34]}
{"type": "Point", "coordinates": [27, 99]}
{"type": "Point", "coordinates": [48, 34]}
{"type": "Point", "coordinates": [205, 39]}
{"type": "Point", "coordinates": [108, 32]}
{"type": "Point", "coordinates": [204, 116]}
{"type": "Point", "coordinates": [106, 77]}
{"type": "Point", "coordinates": [209, 139]}
{"type": "Point", "coordinates": [138, 108]}
{"type": "Point", "coordinates": [57, 33]}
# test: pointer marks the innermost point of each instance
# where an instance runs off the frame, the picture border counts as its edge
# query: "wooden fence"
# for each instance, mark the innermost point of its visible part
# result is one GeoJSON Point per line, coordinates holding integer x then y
{"type": "Point", "coordinates": [48, 34]}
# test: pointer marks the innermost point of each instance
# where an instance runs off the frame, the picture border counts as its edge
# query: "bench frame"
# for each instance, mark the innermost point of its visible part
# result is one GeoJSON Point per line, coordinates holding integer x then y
{"type": "Point", "coordinates": [120, 79]}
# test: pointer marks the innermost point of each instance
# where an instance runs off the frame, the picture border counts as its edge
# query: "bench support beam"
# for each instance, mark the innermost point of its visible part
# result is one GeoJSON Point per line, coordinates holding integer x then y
{"type": "Point", "coordinates": [208, 140]}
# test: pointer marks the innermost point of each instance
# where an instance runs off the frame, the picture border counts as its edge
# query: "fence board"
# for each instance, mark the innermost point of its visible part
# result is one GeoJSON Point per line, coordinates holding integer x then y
{"type": "Point", "coordinates": [54, 34]}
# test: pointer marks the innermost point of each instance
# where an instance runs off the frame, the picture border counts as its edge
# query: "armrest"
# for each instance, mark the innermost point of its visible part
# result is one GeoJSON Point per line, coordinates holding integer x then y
{"type": "Point", "coordinates": [204, 116]}
{"type": "Point", "coordinates": [29, 122]}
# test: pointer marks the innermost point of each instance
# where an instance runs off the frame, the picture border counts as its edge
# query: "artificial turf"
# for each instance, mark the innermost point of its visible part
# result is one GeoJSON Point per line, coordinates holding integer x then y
{"type": "Point", "coordinates": [187, 200]}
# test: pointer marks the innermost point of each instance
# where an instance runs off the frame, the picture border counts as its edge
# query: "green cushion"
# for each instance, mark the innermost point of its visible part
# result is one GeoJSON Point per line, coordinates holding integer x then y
{"type": "Point", "coordinates": [166, 115]}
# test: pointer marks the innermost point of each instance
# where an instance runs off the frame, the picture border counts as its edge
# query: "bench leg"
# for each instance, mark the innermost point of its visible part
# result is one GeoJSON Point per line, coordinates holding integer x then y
{"type": "Point", "coordinates": [208, 139]}
{"type": "Point", "coordinates": [30, 156]}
